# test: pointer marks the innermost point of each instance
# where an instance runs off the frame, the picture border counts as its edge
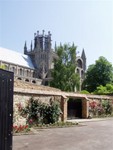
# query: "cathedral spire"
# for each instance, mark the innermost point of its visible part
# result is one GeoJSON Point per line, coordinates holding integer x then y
{"type": "Point", "coordinates": [43, 32]}
{"type": "Point", "coordinates": [25, 48]}
{"type": "Point", "coordinates": [55, 46]}
{"type": "Point", "coordinates": [83, 56]}
{"type": "Point", "coordinates": [37, 33]}
{"type": "Point", "coordinates": [35, 40]}
{"type": "Point", "coordinates": [31, 46]}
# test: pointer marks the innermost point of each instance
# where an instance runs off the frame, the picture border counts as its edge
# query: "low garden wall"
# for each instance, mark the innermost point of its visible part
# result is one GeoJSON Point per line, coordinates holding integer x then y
{"type": "Point", "coordinates": [100, 108]}
{"type": "Point", "coordinates": [93, 105]}
{"type": "Point", "coordinates": [22, 98]}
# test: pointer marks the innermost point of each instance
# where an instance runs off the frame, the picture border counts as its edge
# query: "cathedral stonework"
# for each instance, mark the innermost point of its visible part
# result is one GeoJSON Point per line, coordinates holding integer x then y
{"type": "Point", "coordinates": [36, 63]}
{"type": "Point", "coordinates": [42, 55]}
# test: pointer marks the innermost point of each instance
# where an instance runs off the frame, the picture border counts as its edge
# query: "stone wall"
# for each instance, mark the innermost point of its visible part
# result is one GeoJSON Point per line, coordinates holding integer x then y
{"type": "Point", "coordinates": [85, 105]}
{"type": "Point", "coordinates": [22, 98]}
{"type": "Point", "coordinates": [24, 91]}
{"type": "Point", "coordinates": [100, 107]}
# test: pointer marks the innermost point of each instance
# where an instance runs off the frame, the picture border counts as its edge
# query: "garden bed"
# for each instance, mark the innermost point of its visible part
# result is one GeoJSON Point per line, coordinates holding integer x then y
{"type": "Point", "coordinates": [37, 128]}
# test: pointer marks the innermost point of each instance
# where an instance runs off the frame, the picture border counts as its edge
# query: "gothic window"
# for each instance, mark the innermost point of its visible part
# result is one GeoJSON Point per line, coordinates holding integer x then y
{"type": "Point", "coordinates": [27, 73]}
{"type": "Point", "coordinates": [79, 63]}
{"type": "Point", "coordinates": [41, 43]}
{"type": "Point", "coordinates": [78, 71]}
{"type": "Point", "coordinates": [19, 78]}
{"type": "Point", "coordinates": [33, 81]}
{"type": "Point", "coordinates": [21, 72]}
{"type": "Point", "coordinates": [27, 80]}
{"type": "Point", "coordinates": [82, 74]}
{"type": "Point", "coordinates": [14, 70]}
{"type": "Point", "coordinates": [46, 43]}
{"type": "Point", "coordinates": [33, 74]}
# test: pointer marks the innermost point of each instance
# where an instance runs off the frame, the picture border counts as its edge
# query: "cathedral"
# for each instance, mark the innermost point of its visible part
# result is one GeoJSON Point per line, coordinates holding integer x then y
{"type": "Point", "coordinates": [36, 63]}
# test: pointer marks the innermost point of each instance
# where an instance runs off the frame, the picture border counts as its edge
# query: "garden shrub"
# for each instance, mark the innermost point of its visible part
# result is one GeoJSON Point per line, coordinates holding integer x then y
{"type": "Point", "coordinates": [52, 112]}
{"type": "Point", "coordinates": [107, 107]}
{"type": "Point", "coordinates": [20, 128]}
{"type": "Point", "coordinates": [99, 109]}
{"type": "Point", "coordinates": [41, 113]}
{"type": "Point", "coordinates": [84, 92]}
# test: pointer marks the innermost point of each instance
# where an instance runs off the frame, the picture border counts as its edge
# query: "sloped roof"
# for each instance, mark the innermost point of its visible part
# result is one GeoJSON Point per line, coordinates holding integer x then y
{"type": "Point", "coordinates": [26, 87]}
{"type": "Point", "coordinates": [15, 58]}
{"type": "Point", "coordinates": [32, 86]}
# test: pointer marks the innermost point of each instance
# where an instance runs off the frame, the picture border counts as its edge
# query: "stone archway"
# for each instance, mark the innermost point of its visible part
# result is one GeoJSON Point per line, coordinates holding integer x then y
{"type": "Point", "coordinates": [81, 102]}
{"type": "Point", "coordinates": [74, 108]}
{"type": "Point", "coordinates": [77, 108]}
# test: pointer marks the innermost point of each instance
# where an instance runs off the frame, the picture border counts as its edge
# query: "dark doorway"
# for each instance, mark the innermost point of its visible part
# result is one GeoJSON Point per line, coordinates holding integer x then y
{"type": "Point", "coordinates": [6, 109]}
{"type": "Point", "coordinates": [74, 108]}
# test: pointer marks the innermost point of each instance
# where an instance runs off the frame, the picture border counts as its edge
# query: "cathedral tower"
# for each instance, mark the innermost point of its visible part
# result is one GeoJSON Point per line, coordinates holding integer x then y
{"type": "Point", "coordinates": [41, 54]}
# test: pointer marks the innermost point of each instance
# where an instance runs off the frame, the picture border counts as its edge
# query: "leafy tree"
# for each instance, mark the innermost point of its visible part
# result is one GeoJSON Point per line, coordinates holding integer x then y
{"type": "Point", "coordinates": [108, 89]}
{"type": "Point", "coordinates": [100, 73]}
{"type": "Point", "coordinates": [101, 90]}
{"type": "Point", "coordinates": [64, 76]}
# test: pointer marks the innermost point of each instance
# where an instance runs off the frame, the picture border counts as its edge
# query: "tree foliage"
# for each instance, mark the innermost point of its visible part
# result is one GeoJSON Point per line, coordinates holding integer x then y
{"type": "Point", "coordinates": [100, 73]}
{"type": "Point", "coordinates": [108, 89]}
{"type": "Point", "coordinates": [64, 76]}
{"type": "Point", "coordinates": [84, 92]}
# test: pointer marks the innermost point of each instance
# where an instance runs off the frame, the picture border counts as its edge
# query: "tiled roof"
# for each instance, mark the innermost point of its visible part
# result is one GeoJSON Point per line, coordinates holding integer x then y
{"type": "Point", "coordinates": [15, 58]}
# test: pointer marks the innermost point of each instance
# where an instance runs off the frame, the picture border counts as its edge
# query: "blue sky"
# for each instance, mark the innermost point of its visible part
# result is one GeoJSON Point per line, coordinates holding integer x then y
{"type": "Point", "coordinates": [87, 23]}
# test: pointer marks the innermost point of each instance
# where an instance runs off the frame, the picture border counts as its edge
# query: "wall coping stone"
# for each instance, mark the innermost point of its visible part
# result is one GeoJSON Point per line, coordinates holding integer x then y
{"type": "Point", "coordinates": [61, 93]}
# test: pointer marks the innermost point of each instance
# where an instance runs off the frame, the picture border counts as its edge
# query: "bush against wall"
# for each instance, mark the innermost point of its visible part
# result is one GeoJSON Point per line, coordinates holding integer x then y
{"type": "Point", "coordinates": [101, 108]}
{"type": "Point", "coordinates": [37, 112]}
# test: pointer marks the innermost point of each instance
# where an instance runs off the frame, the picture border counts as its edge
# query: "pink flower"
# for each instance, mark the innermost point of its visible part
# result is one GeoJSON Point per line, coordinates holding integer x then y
{"type": "Point", "coordinates": [30, 121]}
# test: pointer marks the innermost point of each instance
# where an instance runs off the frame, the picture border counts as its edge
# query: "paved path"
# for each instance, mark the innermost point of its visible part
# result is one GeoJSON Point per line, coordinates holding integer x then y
{"type": "Point", "coordinates": [97, 135]}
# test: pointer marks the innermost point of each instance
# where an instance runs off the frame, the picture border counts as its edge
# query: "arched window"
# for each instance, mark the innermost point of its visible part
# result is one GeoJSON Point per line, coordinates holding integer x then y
{"type": "Point", "coordinates": [79, 63]}
{"type": "Point", "coordinates": [19, 78]}
{"type": "Point", "coordinates": [78, 71]}
{"type": "Point", "coordinates": [27, 80]}
{"type": "Point", "coordinates": [33, 81]}
{"type": "Point", "coordinates": [27, 73]}
{"type": "Point", "coordinates": [21, 72]}
{"type": "Point", "coordinates": [13, 69]}
{"type": "Point", "coordinates": [82, 74]}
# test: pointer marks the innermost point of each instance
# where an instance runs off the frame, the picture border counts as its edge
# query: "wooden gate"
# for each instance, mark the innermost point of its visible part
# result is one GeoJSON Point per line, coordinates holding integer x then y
{"type": "Point", "coordinates": [6, 109]}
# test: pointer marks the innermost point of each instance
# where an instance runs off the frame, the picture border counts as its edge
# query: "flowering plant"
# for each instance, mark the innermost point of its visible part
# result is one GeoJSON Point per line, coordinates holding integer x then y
{"type": "Point", "coordinates": [100, 108]}
{"type": "Point", "coordinates": [20, 128]}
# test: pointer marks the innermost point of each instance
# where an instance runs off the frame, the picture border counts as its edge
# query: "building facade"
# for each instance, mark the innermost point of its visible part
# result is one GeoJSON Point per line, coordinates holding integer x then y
{"type": "Point", "coordinates": [42, 56]}
{"type": "Point", "coordinates": [37, 61]}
